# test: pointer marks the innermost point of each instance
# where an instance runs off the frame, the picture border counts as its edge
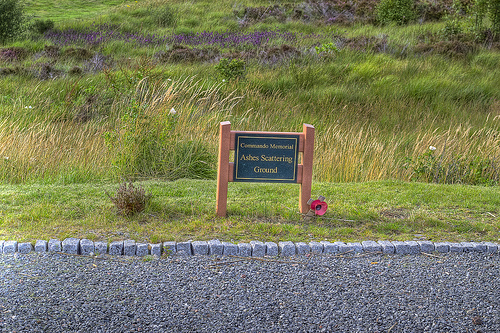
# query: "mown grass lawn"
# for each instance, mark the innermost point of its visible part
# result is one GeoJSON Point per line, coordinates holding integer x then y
{"type": "Point", "coordinates": [185, 209]}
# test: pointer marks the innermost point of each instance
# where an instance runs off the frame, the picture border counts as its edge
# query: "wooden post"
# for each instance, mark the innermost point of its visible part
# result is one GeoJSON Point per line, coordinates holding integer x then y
{"type": "Point", "coordinates": [307, 169]}
{"type": "Point", "coordinates": [223, 169]}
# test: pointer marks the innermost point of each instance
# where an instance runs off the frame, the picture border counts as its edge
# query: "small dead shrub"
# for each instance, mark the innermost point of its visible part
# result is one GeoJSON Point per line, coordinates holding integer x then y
{"type": "Point", "coordinates": [87, 110]}
{"type": "Point", "coordinates": [98, 63]}
{"type": "Point", "coordinates": [48, 71]}
{"type": "Point", "coordinates": [129, 199]}
{"type": "Point", "coordinates": [7, 71]}
{"type": "Point", "coordinates": [75, 71]}
{"type": "Point", "coordinates": [77, 53]}
{"type": "Point", "coordinates": [261, 13]}
{"type": "Point", "coordinates": [13, 54]}
{"type": "Point", "coordinates": [429, 10]}
{"type": "Point", "coordinates": [344, 19]}
{"type": "Point", "coordinates": [489, 39]}
{"type": "Point", "coordinates": [52, 51]}
{"type": "Point", "coordinates": [364, 43]}
{"type": "Point", "coordinates": [278, 54]}
{"type": "Point", "coordinates": [180, 53]}
{"type": "Point", "coordinates": [452, 48]}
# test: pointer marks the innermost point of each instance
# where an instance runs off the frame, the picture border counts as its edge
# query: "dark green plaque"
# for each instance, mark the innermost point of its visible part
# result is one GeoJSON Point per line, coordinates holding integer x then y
{"type": "Point", "coordinates": [271, 158]}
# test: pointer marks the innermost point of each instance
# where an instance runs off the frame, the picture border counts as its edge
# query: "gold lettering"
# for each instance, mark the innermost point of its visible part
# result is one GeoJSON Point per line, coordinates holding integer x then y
{"type": "Point", "coordinates": [258, 169]}
{"type": "Point", "coordinates": [286, 159]}
{"type": "Point", "coordinates": [275, 146]}
{"type": "Point", "coordinates": [249, 158]}
{"type": "Point", "coordinates": [262, 146]}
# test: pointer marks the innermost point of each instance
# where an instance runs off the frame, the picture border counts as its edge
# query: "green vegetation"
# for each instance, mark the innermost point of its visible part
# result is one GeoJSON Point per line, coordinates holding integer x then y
{"type": "Point", "coordinates": [379, 96]}
{"type": "Point", "coordinates": [11, 19]}
{"type": "Point", "coordinates": [396, 11]}
{"type": "Point", "coordinates": [99, 92]}
{"type": "Point", "coordinates": [231, 69]}
{"type": "Point", "coordinates": [185, 209]}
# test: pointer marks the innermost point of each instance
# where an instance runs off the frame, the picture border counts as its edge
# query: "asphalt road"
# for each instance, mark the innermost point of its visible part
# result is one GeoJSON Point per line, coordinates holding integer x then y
{"type": "Point", "coordinates": [343, 293]}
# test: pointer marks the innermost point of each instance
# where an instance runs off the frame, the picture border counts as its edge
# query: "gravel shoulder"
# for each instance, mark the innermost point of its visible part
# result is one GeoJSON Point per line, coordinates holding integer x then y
{"type": "Point", "coordinates": [332, 293]}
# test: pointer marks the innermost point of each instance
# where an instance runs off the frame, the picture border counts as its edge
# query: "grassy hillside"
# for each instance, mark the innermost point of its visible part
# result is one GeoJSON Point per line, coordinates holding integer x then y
{"type": "Point", "coordinates": [90, 99]}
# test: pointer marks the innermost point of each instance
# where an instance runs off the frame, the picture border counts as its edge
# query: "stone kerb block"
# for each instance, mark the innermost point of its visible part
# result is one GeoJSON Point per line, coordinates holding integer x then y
{"type": "Point", "coordinates": [41, 246]}
{"type": "Point", "coordinates": [387, 247]}
{"type": "Point", "coordinates": [141, 249]}
{"type": "Point", "coordinates": [491, 247]}
{"type": "Point", "coordinates": [287, 249]}
{"type": "Point", "coordinates": [329, 248]}
{"type": "Point", "coordinates": [200, 248]}
{"type": "Point", "coordinates": [54, 245]}
{"type": "Point", "coordinates": [338, 245]}
{"type": "Point", "coordinates": [456, 247]}
{"type": "Point", "coordinates": [271, 249]}
{"type": "Point", "coordinates": [87, 247]}
{"type": "Point", "coordinates": [71, 246]}
{"type": "Point", "coordinates": [155, 249]}
{"type": "Point", "coordinates": [1, 245]}
{"type": "Point", "coordinates": [215, 247]}
{"type": "Point", "coordinates": [371, 246]}
{"type": "Point", "coordinates": [169, 248]}
{"type": "Point", "coordinates": [24, 248]}
{"type": "Point", "coordinates": [442, 247]}
{"type": "Point", "coordinates": [230, 249]}
{"type": "Point", "coordinates": [302, 248]}
{"type": "Point", "coordinates": [343, 247]}
{"type": "Point", "coordinates": [401, 247]}
{"type": "Point", "coordinates": [479, 247]}
{"type": "Point", "coordinates": [100, 248]}
{"type": "Point", "coordinates": [10, 247]}
{"type": "Point", "coordinates": [414, 248]}
{"type": "Point", "coordinates": [244, 250]}
{"type": "Point", "coordinates": [184, 248]}
{"type": "Point", "coordinates": [316, 247]}
{"type": "Point", "coordinates": [356, 247]}
{"type": "Point", "coordinates": [467, 246]}
{"type": "Point", "coordinates": [258, 248]}
{"type": "Point", "coordinates": [426, 246]}
{"type": "Point", "coordinates": [116, 248]}
{"type": "Point", "coordinates": [129, 247]}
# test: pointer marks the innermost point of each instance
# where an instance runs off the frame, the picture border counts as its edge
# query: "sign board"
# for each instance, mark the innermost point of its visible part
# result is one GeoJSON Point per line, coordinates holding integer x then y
{"type": "Point", "coordinates": [266, 158]}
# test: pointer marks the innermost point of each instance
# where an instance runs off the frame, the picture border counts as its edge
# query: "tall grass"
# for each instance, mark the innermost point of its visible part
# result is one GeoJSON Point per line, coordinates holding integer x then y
{"type": "Point", "coordinates": [377, 103]}
{"type": "Point", "coordinates": [52, 152]}
{"type": "Point", "coordinates": [462, 155]}
{"type": "Point", "coordinates": [145, 139]}
{"type": "Point", "coordinates": [169, 129]}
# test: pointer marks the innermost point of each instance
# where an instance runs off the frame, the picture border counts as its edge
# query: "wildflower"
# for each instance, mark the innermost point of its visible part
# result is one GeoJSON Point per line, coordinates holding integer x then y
{"type": "Point", "coordinates": [6, 158]}
{"type": "Point", "coordinates": [128, 6]}
{"type": "Point", "coordinates": [172, 111]}
{"type": "Point", "coordinates": [169, 79]}
{"type": "Point", "coordinates": [223, 80]}
{"type": "Point", "coordinates": [432, 148]}
{"type": "Point", "coordinates": [28, 107]}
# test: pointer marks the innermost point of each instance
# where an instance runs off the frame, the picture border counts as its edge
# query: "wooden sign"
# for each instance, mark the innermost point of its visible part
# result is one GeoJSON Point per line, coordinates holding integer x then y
{"type": "Point", "coordinates": [265, 157]}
